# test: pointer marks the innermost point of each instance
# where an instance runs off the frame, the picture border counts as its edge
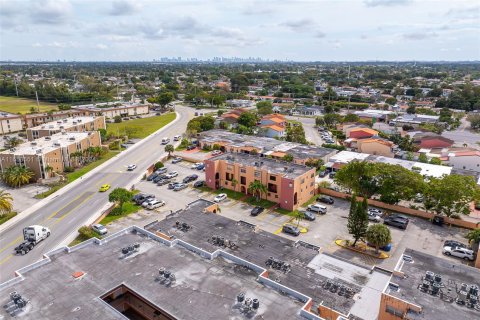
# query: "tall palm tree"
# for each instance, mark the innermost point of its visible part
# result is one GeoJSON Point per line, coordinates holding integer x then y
{"type": "Point", "coordinates": [12, 142]}
{"type": "Point", "coordinates": [17, 176]}
{"type": "Point", "coordinates": [257, 188]}
{"type": "Point", "coordinates": [234, 184]}
{"type": "Point", "coordinates": [5, 202]}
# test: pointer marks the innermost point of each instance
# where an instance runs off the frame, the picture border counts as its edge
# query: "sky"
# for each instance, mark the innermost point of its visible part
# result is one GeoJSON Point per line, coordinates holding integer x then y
{"type": "Point", "coordinates": [308, 30]}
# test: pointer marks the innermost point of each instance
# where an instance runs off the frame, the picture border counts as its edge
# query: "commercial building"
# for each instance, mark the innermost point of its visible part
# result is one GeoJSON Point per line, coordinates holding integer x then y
{"type": "Point", "coordinates": [77, 124]}
{"type": "Point", "coordinates": [49, 152]}
{"type": "Point", "coordinates": [111, 110]}
{"type": "Point", "coordinates": [413, 120]}
{"type": "Point", "coordinates": [374, 115]}
{"type": "Point", "coordinates": [263, 146]}
{"type": "Point", "coordinates": [288, 184]}
{"type": "Point", "coordinates": [425, 169]}
{"type": "Point", "coordinates": [10, 122]}
{"type": "Point", "coordinates": [426, 287]}
{"type": "Point", "coordinates": [194, 265]}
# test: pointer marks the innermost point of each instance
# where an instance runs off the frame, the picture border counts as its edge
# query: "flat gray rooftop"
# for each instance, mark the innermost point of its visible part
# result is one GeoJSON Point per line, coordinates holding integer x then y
{"type": "Point", "coordinates": [286, 169]}
{"type": "Point", "coordinates": [434, 307]}
{"type": "Point", "coordinates": [204, 289]}
{"type": "Point", "coordinates": [309, 272]}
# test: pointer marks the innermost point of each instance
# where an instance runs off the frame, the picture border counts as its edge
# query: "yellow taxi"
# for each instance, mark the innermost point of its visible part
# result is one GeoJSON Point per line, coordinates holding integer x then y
{"type": "Point", "coordinates": [104, 187]}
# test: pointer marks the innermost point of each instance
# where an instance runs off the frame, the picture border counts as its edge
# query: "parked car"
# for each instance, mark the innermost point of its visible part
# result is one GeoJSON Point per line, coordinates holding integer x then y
{"type": "Point", "coordinates": [172, 174]}
{"type": "Point", "coordinates": [158, 178]}
{"type": "Point", "coordinates": [177, 160]}
{"type": "Point", "coordinates": [308, 215]}
{"type": "Point", "coordinates": [199, 184]}
{"type": "Point", "coordinates": [290, 229]}
{"type": "Point", "coordinates": [161, 170]}
{"type": "Point", "coordinates": [373, 217]}
{"type": "Point", "coordinates": [131, 167]}
{"type": "Point", "coordinates": [195, 165]}
{"type": "Point", "coordinates": [216, 152]}
{"type": "Point", "coordinates": [191, 147]}
{"type": "Point", "coordinates": [180, 186]}
{"type": "Point", "coordinates": [100, 229]}
{"type": "Point", "coordinates": [376, 211]}
{"type": "Point", "coordinates": [201, 167]}
{"type": "Point", "coordinates": [189, 178]}
{"type": "Point", "coordinates": [386, 248]}
{"type": "Point", "coordinates": [148, 201]}
{"type": "Point", "coordinates": [163, 182]}
{"type": "Point", "coordinates": [396, 221]}
{"type": "Point", "coordinates": [172, 185]}
{"type": "Point", "coordinates": [331, 175]}
{"type": "Point", "coordinates": [140, 198]}
{"type": "Point", "coordinates": [454, 244]}
{"type": "Point", "coordinates": [322, 174]}
{"type": "Point", "coordinates": [325, 199]}
{"type": "Point", "coordinates": [155, 204]}
{"type": "Point", "coordinates": [458, 252]}
{"type": "Point", "coordinates": [152, 176]}
{"type": "Point", "coordinates": [317, 208]}
{"type": "Point", "coordinates": [220, 197]}
{"type": "Point", "coordinates": [256, 211]}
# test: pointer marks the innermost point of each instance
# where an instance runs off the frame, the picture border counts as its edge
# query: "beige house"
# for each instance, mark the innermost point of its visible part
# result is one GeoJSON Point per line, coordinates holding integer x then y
{"type": "Point", "coordinates": [50, 151]}
{"type": "Point", "coordinates": [379, 147]}
{"type": "Point", "coordinates": [10, 122]}
{"type": "Point", "coordinates": [77, 124]}
{"type": "Point", "coordinates": [111, 111]}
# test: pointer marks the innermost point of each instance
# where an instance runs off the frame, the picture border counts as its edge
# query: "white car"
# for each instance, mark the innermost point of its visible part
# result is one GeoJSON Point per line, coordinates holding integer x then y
{"type": "Point", "coordinates": [172, 174]}
{"type": "Point", "coordinates": [131, 167]}
{"type": "Point", "coordinates": [463, 253]}
{"type": "Point", "coordinates": [148, 202]}
{"type": "Point", "coordinates": [373, 217]}
{"type": "Point", "coordinates": [177, 138]}
{"type": "Point", "coordinates": [195, 165]}
{"type": "Point", "coordinates": [216, 152]}
{"type": "Point", "coordinates": [318, 208]}
{"type": "Point", "coordinates": [100, 229]}
{"type": "Point", "coordinates": [220, 197]}
{"type": "Point", "coordinates": [378, 212]}
{"type": "Point", "coordinates": [155, 204]}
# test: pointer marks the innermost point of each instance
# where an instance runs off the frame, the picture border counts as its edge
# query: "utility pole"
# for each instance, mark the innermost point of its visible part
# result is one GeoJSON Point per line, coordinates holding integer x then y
{"type": "Point", "coordinates": [38, 105]}
{"type": "Point", "coordinates": [16, 88]}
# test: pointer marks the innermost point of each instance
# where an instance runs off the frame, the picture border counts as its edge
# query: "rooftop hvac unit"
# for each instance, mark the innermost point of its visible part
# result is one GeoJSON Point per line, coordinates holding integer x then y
{"type": "Point", "coordinates": [429, 275]}
{"type": "Point", "coordinates": [59, 122]}
{"type": "Point", "coordinates": [79, 120]}
{"type": "Point", "coordinates": [43, 127]}
{"type": "Point", "coordinates": [62, 127]}
{"type": "Point", "coordinates": [48, 138]}
{"type": "Point", "coordinates": [50, 127]}
{"type": "Point", "coordinates": [74, 122]}
{"type": "Point", "coordinates": [39, 151]}
{"type": "Point", "coordinates": [71, 138]}
{"type": "Point", "coordinates": [65, 120]}
{"type": "Point", "coordinates": [33, 143]}
{"type": "Point", "coordinates": [56, 144]}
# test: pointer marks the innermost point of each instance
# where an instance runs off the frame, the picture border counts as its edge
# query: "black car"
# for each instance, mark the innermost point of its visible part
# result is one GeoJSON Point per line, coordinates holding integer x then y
{"type": "Point", "coordinates": [152, 176]}
{"type": "Point", "coordinates": [322, 174]}
{"type": "Point", "coordinates": [325, 199]}
{"type": "Point", "coordinates": [189, 178]}
{"type": "Point", "coordinates": [142, 198]}
{"type": "Point", "coordinates": [396, 221]}
{"type": "Point", "coordinates": [173, 185]}
{"type": "Point", "coordinates": [454, 244]}
{"type": "Point", "coordinates": [157, 179]}
{"type": "Point", "coordinates": [256, 211]}
{"type": "Point", "coordinates": [191, 147]}
{"type": "Point", "coordinates": [288, 228]}
{"type": "Point", "coordinates": [308, 215]}
{"type": "Point", "coordinates": [331, 175]}
{"type": "Point", "coordinates": [199, 184]}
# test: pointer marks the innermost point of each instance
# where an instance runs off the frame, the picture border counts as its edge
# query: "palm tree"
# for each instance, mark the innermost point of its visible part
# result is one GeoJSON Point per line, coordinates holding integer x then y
{"type": "Point", "coordinates": [257, 188]}
{"type": "Point", "coordinates": [234, 184]}
{"type": "Point", "coordinates": [169, 148]}
{"type": "Point", "coordinates": [12, 142]}
{"type": "Point", "coordinates": [298, 215]}
{"type": "Point", "coordinates": [48, 168]}
{"type": "Point", "coordinates": [5, 202]}
{"type": "Point", "coordinates": [17, 176]}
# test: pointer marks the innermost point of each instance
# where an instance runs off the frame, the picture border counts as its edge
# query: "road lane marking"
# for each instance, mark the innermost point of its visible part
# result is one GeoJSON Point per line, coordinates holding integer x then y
{"type": "Point", "coordinates": [6, 259]}
{"type": "Point", "coordinates": [80, 199]}
{"type": "Point", "coordinates": [67, 213]}
{"type": "Point", "coordinates": [11, 243]}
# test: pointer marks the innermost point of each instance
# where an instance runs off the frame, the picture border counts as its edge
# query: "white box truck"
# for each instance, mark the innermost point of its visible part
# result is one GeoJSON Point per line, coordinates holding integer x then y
{"type": "Point", "coordinates": [32, 235]}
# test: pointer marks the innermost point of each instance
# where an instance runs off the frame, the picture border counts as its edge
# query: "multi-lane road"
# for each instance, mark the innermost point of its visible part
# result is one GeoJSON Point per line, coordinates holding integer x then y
{"type": "Point", "coordinates": [72, 208]}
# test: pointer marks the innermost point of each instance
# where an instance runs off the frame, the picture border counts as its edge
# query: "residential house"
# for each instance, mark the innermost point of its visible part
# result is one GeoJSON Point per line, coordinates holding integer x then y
{"type": "Point", "coordinates": [77, 124]}
{"type": "Point", "coordinates": [273, 126]}
{"type": "Point", "coordinates": [360, 132]}
{"type": "Point", "coordinates": [464, 160]}
{"type": "Point", "coordinates": [231, 118]}
{"type": "Point", "coordinates": [376, 146]}
{"type": "Point", "coordinates": [374, 115]}
{"type": "Point", "coordinates": [430, 140]}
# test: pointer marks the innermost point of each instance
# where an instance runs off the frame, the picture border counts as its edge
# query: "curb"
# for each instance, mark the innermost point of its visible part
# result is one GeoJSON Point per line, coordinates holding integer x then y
{"type": "Point", "coordinates": [27, 212]}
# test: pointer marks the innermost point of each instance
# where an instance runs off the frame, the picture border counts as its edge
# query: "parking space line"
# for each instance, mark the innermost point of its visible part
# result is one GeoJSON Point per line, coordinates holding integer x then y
{"type": "Point", "coordinates": [278, 231]}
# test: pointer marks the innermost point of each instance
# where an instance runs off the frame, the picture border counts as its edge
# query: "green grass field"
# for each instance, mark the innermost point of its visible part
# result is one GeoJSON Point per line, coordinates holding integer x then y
{"type": "Point", "coordinates": [21, 105]}
{"type": "Point", "coordinates": [140, 128]}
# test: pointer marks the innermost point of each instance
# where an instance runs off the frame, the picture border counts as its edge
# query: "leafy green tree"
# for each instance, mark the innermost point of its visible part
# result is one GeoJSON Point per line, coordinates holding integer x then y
{"type": "Point", "coordinates": [358, 176]}
{"type": "Point", "coordinates": [165, 98]}
{"type": "Point", "coordinates": [411, 109]}
{"type": "Point", "coordinates": [396, 183]}
{"type": "Point", "coordinates": [117, 119]}
{"type": "Point", "coordinates": [357, 219]}
{"type": "Point", "coordinates": [331, 119]}
{"type": "Point", "coordinates": [316, 163]}
{"type": "Point", "coordinates": [435, 160]}
{"type": "Point", "coordinates": [12, 142]}
{"type": "Point", "coordinates": [247, 119]}
{"type": "Point", "coordinates": [234, 184]}
{"type": "Point", "coordinates": [257, 188]}
{"type": "Point", "coordinates": [264, 107]}
{"type": "Point", "coordinates": [474, 120]}
{"type": "Point", "coordinates": [351, 117]}
{"type": "Point", "coordinates": [16, 176]}
{"type": "Point", "coordinates": [319, 121]}
{"type": "Point", "coordinates": [473, 236]}
{"type": "Point", "coordinates": [450, 194]}
{"type": "Point", "coordinates": [391, 101]}
{"type": "Point", "coordinates": [169, 148]}
{"type": "Point", "coordinates": [120, 196]}
{"type": "Point", "coordinates": [298, 216]}
{"type": "Point", "coordinates": [423, 158]}
{"type": "Point", "coordinates": [296, 134]}
{"type": "Point", "coordinates": [158, 165]}
{"type": "Point", "coordinates": [378, 235]}
{"type": "Point", "coordinates": [288, 158]}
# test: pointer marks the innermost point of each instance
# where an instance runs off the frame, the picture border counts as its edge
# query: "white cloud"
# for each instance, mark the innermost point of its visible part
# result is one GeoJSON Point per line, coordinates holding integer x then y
{"type": "Point", "coordinates": [124, 7]}
{"type": "Point", "coordinates": [101, 46]}
{"type": "Point", "coordinates": [386, 3]}
{"type": "Point", "coordinates": [304, 24]}
{"type": "Point", "coordinates": [50, 11]}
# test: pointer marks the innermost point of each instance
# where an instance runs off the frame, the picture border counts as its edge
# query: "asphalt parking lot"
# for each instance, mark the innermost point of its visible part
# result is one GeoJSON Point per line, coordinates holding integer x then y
{"type": "Point", "coordinates": [420, 234]}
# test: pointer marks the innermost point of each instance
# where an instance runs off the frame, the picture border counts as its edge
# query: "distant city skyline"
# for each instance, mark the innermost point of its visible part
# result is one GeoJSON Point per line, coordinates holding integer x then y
{"type": "Point", "coordinates": [147, 30]}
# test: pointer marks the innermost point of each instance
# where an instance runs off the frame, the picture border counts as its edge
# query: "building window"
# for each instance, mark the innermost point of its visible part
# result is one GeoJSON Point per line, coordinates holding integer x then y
{"type": "Point", "coordinates": [273, 178]}
{"type": "Point", "coordinates": [303, 181]}
{"type": "Point", "coordinates": [276, 196]}
{"type": "Point", "coordinates": [243, 180]}
{"type": "Point", "coordinates": [228, 176]}
{"type": "Point", "coordinates": [290, 185]}
{"type": "Point", "coordinates": [393, 311]}
{"type": "Point", "coordinates": [257, 174]}
{"type": "Point", "coordinates": [229, 167]}
{"type": "Point", "coordinates": [243, 170]}
{"type": "Point", "coordinates": [272, 187]}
